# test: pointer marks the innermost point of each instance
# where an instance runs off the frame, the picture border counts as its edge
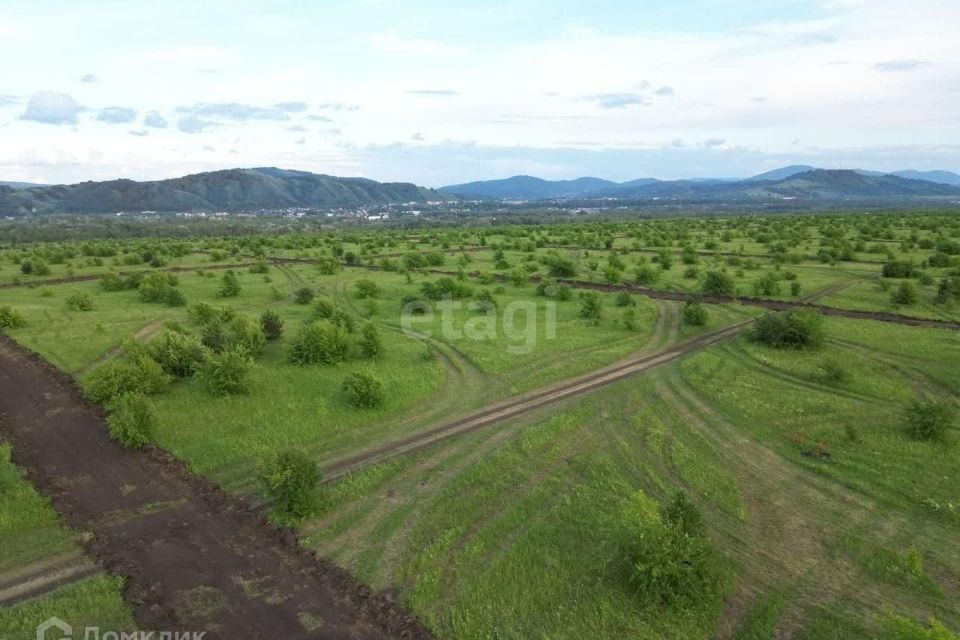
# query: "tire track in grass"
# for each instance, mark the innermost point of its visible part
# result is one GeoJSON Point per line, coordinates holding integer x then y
{"type": "Point", "coordinates": [39, 578]}
{"type": "Point", "coordinates": [788, 515]}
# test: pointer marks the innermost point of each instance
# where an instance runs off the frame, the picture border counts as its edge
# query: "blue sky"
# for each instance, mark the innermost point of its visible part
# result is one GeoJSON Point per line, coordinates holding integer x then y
{"type": "Point", "coordinates": [436, 94]}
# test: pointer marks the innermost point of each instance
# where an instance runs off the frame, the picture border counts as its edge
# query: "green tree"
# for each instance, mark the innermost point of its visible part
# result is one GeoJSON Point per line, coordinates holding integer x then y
{"type": "Point", "coordinates": [227, 373]}
{"type": "Point", "coordinates": [290, 479]}
{"type": "Point", "coordinates": [131, 421]}
{"type": "Point", "coordinates": [272, 325]}
{"type": "Point", "coordinates": [363, 389]}
{"type": "Point", "coordinates": [370, 343]}
{"type": "Point", "coordinates": [926, 418]}
{"type": "Point", "coordinates": [229, 285]}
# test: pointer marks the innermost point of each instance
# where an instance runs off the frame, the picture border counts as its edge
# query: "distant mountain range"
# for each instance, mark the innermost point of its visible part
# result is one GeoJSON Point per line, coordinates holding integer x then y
{"type": "Point", "coordinates": [20, 185]}
{"type": "Point", "coordinates": [796, 181]}
{"type": "Point", "coordinates": [236, 190]}
{"type": "Point", "coordinates": [228, 190]}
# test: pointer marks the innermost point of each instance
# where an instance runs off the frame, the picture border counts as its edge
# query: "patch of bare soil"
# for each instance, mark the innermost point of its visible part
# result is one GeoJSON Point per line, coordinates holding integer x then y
{"type": "Point", "coordinates": [176, 536]}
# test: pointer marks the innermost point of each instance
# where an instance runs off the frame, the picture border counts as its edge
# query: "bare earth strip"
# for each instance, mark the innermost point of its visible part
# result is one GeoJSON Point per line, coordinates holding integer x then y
{"type": "Point", "coordinates": [193, 559]}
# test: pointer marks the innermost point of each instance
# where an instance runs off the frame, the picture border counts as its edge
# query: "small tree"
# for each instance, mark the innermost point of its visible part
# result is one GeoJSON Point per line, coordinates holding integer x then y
{"type": "Point", "coordinates": [800, 329]}
{"type": "Point", "coordinates": [290, 479]}
{"type": "Point", "coordinates": [694, 313]}
{"type": "Point", "coordinates": [303, 295]}
{"type": "Point", "coordinates": [905, 294]}
{"type": "Point", "coordinates": [670, 558]}
{"type": "Point", "coordinates": [591, 307]}
{"type": "Point", "coordinates": [10, 318]}
{"type": "Point", "coordinates": [320, 342]}
{"type": "Point", "coordinates": [646, 275]}
{"type": "Point", "coordinates": [80, 301]}
{"type": "Point", "coordinates": [138, 374]}
{"type": "Point", "coordinates": [366, 289]}
{"type": "Point", "coordinates": [227, 373]}
{"type": "Point", "coordinates": [177, 353]}
{"type": "Point", "coordinates": [272, 325]}
{"type": "Point", "coordinates": [364, 390]}
{"type": "Point", "coordinates": [928, 419]}
{"type": "Point", "coordinates": [370, 343]}
{"type": "Point", "coordinates": [229, 285]}
{"type": "Point", "coordinates": [718, 283]}
{"type": "Point", "coordinates": [131, 421]}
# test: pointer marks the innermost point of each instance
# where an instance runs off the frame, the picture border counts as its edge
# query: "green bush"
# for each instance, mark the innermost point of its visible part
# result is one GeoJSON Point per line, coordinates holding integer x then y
{"type": "Point", "coordinates": [559, 266]}
{"type": "Point", "coordinates": [833, 371]}
{"type": "Point", "coordinates": [366, 289]}
{"type": "Point", "coordinates": [371, 344]}
{"type": "Point", "coordinates": [160, 287]}
{"type": "Point", "coordinates": [799, 329]}
{"type": "Point", "coordinates": [928, 419]}
{"type": "Point", "coordinates": [247, 333]}
{"type": "Point", "coordinates": [718, 283]}
{"type": "Point", "coordinates": [324, 307]}
{"type": "Point", "coordinates": [303, 295]}
{"type": "Point", "coordinates": [131, 421]}
{"type": "Point", "coordinates": [624, 299]}
{"type": "Point", "coordinates": [671, 560]}
{"type": "Point", "coordinates": [320, 342]}
{"type": "Point", "coordinates": [904, 294]}
{"type": "Point", "coordinates": [79, 301]}
{"type": "Point", "coordinates": [900, 269]}
{"type": "Point", "coordinates": [272, 325]}
{"type": "Point", "coordinates": [177, 353]}
{"type": "Point", "coordinates": [591, 307]}
{"type": "Point", "coordinates": [290, 479]}
{"type": "Point", "coordinates": [10, 318]}
{"type": "Point", "coordinates": [227, 373]}
{"type": "Point", "coordinates": [229, 285]}
{"type": "Point", "coordinates": [133, 374]}
{"type": "Point", "coordinates": [694, 314]}
{"type": "Point", "coordinates": [364, 390]}
{"type": "Point", "coordinates": [646, 275]}
{"type": "Point", "coordinates": [767, 285]}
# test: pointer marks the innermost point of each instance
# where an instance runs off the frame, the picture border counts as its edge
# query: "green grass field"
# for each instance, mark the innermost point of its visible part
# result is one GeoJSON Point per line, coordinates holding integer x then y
{"type": "Point", "coordinates": [826, 520]}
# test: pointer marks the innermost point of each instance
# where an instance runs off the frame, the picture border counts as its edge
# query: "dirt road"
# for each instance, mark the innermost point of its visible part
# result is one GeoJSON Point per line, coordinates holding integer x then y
{"type": "Point", "coordinates": [194, 559]}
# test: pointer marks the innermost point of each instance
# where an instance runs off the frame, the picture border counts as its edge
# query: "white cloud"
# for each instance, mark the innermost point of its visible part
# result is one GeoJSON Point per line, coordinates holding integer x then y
{"type": "Point", "coordinates": [51, 107]}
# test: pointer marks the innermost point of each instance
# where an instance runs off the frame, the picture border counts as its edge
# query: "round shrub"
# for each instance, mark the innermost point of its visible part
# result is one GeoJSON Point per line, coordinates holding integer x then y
{"type": "Point", "coordinates": [227, 373]}
{"type": "Point", "coordinates": [10, 318]}
{"type": "Point", "coordinates": [694, 314]}
{"type": "Point", "coordinates": [320, 342]}
{"type": "Point", "coordinates": [272, 325]}
{"type": "Point", "coordinates": [799, 329]}
{"type": "Point", "coordinates": [303, 295]}
{"type": "Point", "coordinates": [928, 419]}
{"type": "Point", "coordinates": [137, 374]}
{"type": "Point", "coordinates": [131, 421]}
{"type": "Point", "coordinates": [366, 288]}
{"type": "Point", "coordinates": [177, 353]}
{"type": "Point", "coordinates": [364, 390]}
{"type": "Point", "coordinates": [79, 301]}
{"type": "Point", "coordinates": [290, 479]}
{"type": "Point", "coordinates": [371, 344]}
{"type": "Point", "coordinates": [671, 560]}
{"type": "Point", "coordinates": [718, 283]}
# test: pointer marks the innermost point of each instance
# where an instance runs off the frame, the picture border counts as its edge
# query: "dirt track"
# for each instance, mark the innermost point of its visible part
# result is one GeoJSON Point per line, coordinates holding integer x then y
{"type": "Point", "coordinates": [525, 403]}
{"type": "Point", "coordinates": [194, 559]}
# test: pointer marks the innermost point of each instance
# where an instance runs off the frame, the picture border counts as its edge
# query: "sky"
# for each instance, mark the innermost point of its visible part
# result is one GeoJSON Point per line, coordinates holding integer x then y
{"type": "Point", "coordinates": [436, 94]}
